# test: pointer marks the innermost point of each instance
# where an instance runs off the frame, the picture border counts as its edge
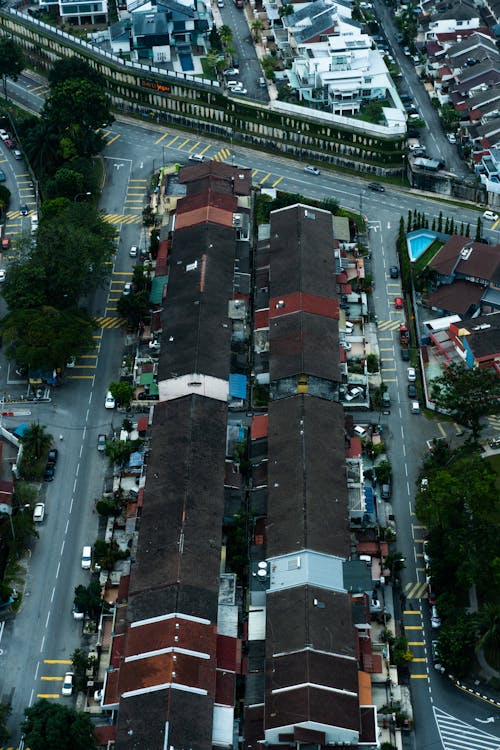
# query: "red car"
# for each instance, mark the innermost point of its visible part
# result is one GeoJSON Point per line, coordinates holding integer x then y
{"type": "Point", "coordinates": [10, 143]}
{"type": "Point", "coordinates": [398, 303]}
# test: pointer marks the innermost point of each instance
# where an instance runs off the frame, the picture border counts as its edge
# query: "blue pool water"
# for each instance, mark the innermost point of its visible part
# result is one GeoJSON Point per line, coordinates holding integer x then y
{"type": "Point", "coordinates": [186, 62]}
{"type": "Point", "coordinates": [418, 242]}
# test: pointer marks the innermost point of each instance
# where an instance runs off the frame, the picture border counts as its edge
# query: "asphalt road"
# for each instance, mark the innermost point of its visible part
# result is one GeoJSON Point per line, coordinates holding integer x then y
{"type": "Point", "coordinates": [44, 629]}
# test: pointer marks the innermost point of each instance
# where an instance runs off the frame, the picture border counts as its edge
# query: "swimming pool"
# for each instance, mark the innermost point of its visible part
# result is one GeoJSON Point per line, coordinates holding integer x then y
{"type": "Point", "coordinates": [418, 242]}
{"type": "Point", "coordinates": [186, 61]}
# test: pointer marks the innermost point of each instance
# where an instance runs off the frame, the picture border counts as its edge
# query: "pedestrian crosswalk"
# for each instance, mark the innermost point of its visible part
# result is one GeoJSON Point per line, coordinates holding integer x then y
{"type": "Point", "coordinates": [415, 590]}
{"type": "Point", "coordinates": [390, 325]}
{"type": "Point", "coordinates": [123, 218]}
{"type": "Point", "coordinates": [458, 735]}
{"type": "Point", "coordinates": [222, 154]}
{"type": "Point", "coordinates": [109, 321]}
{"type": "Point", "coordinates": [136, 193]}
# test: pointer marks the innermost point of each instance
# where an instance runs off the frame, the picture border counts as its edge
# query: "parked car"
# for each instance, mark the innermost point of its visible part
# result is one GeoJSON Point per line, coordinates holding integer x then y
{"type": "Point", "coordinates": [353, 393]}
{"type": "Point", "coordinates": [77, 615]}
{"type": "Point", "coordinates": [405, 355]}
{"type": "Point", "coordinates": [10, 143]}
{"type": "Point", "coordinates": [412, 390]}
{"type": "Point", "coordinates": [376, 187]}
{"type": "Point", "coordinates": [394, 272]}
{"type": "Point", "coordinates": [3, 274]}
{"type": "Point", "coordinates": [49, 473]}
{"type": "Point", "coordinates": [239, 90]}
{"type": "Point", "coordinates": [67, 687]}
{"type": "Point", "coordinates": [134, 251]}
{"type": "Point", "coordinates": [452, 138]}
{"type": "Point", "coordinates": [4, 136]}
{"type": "Point", "coordinates": [231, 72]}
{"type": "Point", "coordinates": [312, 170]}
{"type": "Point", "coordinates": [39, 513]}
{"type": "Point", "coordinates": [196, 157]}
{"type": "Point", "coordinates": [23, 209]}
{"type": "Point", "coordinates": [2, 176]}
{"type": "Point", "coordinates": [398, 303]}
{"type": "Point", "coordinates": [490, 216]}
{"type": "Point", "coordinates": [101, 442]}
{"type": "Point", "coordinates": [6, 243]}
{"type": "Point", "coordinates": [415, 407]}
{"type": "Point", "coordinates": [425, 551]}
{"type": "Point", "coordinates": [52, 456]}
{"type": "Point", "coordinates": [385, 492]}
{"type": "Point", "coordinates": [412, 375]}
{"type": "Point", "coordinates": [109, 401]}
{"type": "Point", "coordinates": [17, 154]}
{"type": "Point", "coordinates": [127, 288]}
{"type": "Point", "coordinates": [435, 618]}
{"type": "Point", "coordinates": [86, 557]}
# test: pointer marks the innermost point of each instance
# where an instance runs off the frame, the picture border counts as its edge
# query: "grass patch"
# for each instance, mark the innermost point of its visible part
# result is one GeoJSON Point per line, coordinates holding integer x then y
{"type": "Point", "coordinates": [419, 265]}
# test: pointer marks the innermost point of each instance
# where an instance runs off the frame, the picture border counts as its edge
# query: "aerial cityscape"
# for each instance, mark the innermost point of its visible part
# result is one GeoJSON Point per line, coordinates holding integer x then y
{"type": "Point", "coordinates": [250, 375]}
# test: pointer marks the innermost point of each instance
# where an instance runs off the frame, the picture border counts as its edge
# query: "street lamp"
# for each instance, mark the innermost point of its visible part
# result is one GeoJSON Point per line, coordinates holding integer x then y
{"type": "Point", "coordinates": [78, 195]}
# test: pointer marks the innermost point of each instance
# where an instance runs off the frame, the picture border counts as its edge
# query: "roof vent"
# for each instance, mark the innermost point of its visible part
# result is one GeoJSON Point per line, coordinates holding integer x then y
{"type": "Point", "coordinates": [309, 215]}
{"type": "Point", "coordinates": [280, 304]}
{"type": "Point", "coordinates": [465, 253]}
{"type": "Point", "coordinates": [192, 266]}
{"type": "Point", "coordinates": [237, 220]}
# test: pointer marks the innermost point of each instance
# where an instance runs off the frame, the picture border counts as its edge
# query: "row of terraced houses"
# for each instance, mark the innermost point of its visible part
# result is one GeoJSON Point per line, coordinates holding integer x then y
{"type": "Point", "coordinates": [281, 655]}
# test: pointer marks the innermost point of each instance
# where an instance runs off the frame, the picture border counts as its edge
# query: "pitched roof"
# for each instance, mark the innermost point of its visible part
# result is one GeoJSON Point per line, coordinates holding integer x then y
{"type": "Point", "coordinates": [456, 298]}
{"type": "Point", "coordinates": [483, 262]}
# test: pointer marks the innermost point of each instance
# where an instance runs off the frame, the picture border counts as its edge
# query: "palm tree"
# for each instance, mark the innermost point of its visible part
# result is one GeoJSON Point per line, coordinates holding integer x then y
{"type": "Point", "coordinates": [489, 626]}
{"type": "Point", "coordinates": [36, 440]}
{"type": "Point", "coordinates": [225, 34]}
{"type": "Point", "coordinates": [257, 27]}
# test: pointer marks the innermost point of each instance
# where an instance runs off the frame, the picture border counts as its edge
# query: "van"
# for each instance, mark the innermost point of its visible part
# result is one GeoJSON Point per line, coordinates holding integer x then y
{"type": "Point", "coordinates": [86, 557]}
{"type": "Point", "coordinates": [415, 407]}
{"type": "Point", "coordinates": [360, 431]}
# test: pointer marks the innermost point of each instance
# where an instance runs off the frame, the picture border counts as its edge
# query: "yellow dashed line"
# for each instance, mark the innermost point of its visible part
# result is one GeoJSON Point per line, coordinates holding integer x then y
{"type": "Point", "coordinates": [419, 659]}
{"type": "Point", "coordinates": [112, 140]}
{"type": "Point", "coordinates": [276, 182]}
{"type": "Point", "coordinates": [266, 177]}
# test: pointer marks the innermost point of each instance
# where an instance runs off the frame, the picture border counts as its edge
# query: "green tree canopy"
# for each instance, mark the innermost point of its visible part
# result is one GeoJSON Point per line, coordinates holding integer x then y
{"type": "Point", "coordinates": [88, 598]}
{"type": "Point", "coordinates": [467, 395]}
{"type": "Point", "coordinates": [456, 645]}
{"type": "Point", "coordinates": [45, 337]}
{"type": "Point", "coordinates": [36, 440]}
{"type": "Point", "coordinates": [12, 61]}
{"type": "Point", "coordinates": [57, 726]}
{"type": "Point", "coordinates": [5, 710]}
{"type": "Point", "coordinates": [134, 307]}
{"type": "Point", "coordinates": [74, 68]}
{"type": "Point", "coordinates": [122, 392]}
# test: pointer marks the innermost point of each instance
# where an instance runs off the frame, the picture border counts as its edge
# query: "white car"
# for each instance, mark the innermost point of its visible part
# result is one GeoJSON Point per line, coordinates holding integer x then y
{"type": "Point", "coordinates": [3, 274]}
{"type": "Point", "coordinates": [435, 618]}
{"type": "Point", "coordinates": [425, 547]}
{"type": "Point", "coordinates": [412, 375]}
{"type": "Point", "coordinates": [133, 252]}
{"type": "Point", "coordinates": [232, 72]}
{"type": "Point", "coordinates": [311, 169]}
{"type": "Point", "coordinates": [4, 136]}
{"type": "Point", "coordinates": [353, 393]}
{"type": "Point", "coordinates": [67, 688]}
{"type": "Point", "coordinates": [39, 513]}
{"type": "Point", "coordinates": [109, 401]}
{"type": "Point", "coordinates": [490, 216]}
{"type": "Point", "coordinates": [86, 557]}
{"type": "Point", "coordinates": [127, 287]}
{"type": "Point", "coordinates": [452, 138]}
{"type": "Point", "coordinates": [196, 157]}
{"type": "Point", "coordinates": [71, 362]}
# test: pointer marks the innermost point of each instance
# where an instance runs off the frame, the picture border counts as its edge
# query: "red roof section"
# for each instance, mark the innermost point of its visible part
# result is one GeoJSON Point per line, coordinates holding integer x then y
{"type": "Point", "coordinates": [229, 653]}
{"type": "Point", "coordinates": [261, 319]}
{"type": "Point", "coordinates": [260, 424]}
{"type": "Point", "coordinates": [142, 424]}
{"type": "Point", "coordinates": [225, 688]}
{"type": "Point", "coordinates": [104, 734]}
{"type": "Point", "coordinates": [302, 302]}
{"type": "Point", "coordinates": [355, 448]}
{"type": "Point", "coordinates": [170, 631]}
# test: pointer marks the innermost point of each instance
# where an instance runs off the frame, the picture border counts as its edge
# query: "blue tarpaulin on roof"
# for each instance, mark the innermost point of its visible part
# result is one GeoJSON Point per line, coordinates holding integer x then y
{"type": "Point", "coordinates": [369, 500]}
{"type": "Point", "coordinates": [19, 431]}
{"type": "Point", "coordinates": [238, 386]}
{"type": "Point", "coordinates": [135, 460]}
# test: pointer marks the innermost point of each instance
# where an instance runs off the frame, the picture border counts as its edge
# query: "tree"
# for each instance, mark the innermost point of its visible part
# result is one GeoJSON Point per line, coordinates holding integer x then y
{"type": "Point", "coordinates": [479, 229]}
{"type": "Point", "coordinates": [456, 645]}
{"type": "Point", "coordinates": [36, 440]}
{"type": "Point", "coordinates": [24, 286]}
{"type": "Point", "coordinates": [5, 710]}
{"type": "Point", "coordinates": [56, 726]}
{"type": "Point", "coordinates": [47, 338]}
{"type": "Point", "coordinates": [88, 598]}
{"type": "Point", "coordinates": [256, 27]}
{"type": "Point", "coordinates": [75, 110]}
{"type": "Point", "coordinates": [383, 472]}
{"type": "Point", "coordinates": [122, 392]}
{"type": "Point", "coordinates": [74, 68]}
{"type": "Point", "coordinates": [119, 451]}
{"type": "Point", "coordinates": [488, 620]}
{"type": "Point", "coordinates": [65, 183]}
{"type": "Point", "coordinates": [225, 34]}
{"type": "Point", "coordinates": [467, 395]}
{"type": "Point", "coordinates": [134, 307]}
{"type": "Point", "coordinates": [330, 204]}
{"type": "Point", "coordinates": [12, 61]}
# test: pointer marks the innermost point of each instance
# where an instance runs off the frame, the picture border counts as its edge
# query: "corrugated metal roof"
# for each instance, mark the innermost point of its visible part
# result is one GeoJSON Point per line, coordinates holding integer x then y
{"type": "Point", "coordinates": [157, 287]}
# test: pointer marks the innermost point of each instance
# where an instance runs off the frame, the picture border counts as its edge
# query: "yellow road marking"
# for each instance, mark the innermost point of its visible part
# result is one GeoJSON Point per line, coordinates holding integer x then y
{"type": "Point", "coordinates": [162, 137]}
{"type": "Point", "coordinates": [441, 429]}
{"type": "Point", "coordinates": [80, 377]}
{"type": "Point", "coordinates": [48, 695]}
{"type": "Point", "coordinates": [57, 661]}
{"type": "Point", "coordinates": [419, 677]}
{"type": "Point", "coordinates": [60, 679]}
{"type": "Point", "coordinates": [266, 177]}
{"type": "Point", "coordinates": [276, 182]}
{"type": "Point", "coordinates": [413, 627]}
{"type": "Point", "coordinates": [193, 148]}
{"type": "Point", "coordinates": [419, 658]}
{"type": "Point", "coordinates": [203, 151]}
{"type": "Point", "coordinates": [123, 273]}
{"type": "Point", "coordinates": [172, 141]}
{"type": "Point", "coordinates": [411, 612]}
{"type": "Point", "coordinates": [112, 140]}
{"type": "Point", "coordinates": [416, 643]}
{"type": "Point", "coordinates": [140, 181]}
{"type": "Point", "coordinates": [183, 143]}
{"type": "Point", "coordinates": [255, 172]}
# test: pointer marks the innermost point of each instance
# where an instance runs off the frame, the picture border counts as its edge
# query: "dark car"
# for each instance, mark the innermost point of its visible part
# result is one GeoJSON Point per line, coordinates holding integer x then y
{"type": "Point", "coordinates": [394, 272]}
{"type": "Point", "coordinates": [412, 391]}
{"type": "Point", "coordinates": [49, 473]}
{"type": "Point", "coordinates": [376, 186]}
{"type": "Point", "coordinates": [405, 355]}
{"type": "Point", "coordinates": [52, 456]}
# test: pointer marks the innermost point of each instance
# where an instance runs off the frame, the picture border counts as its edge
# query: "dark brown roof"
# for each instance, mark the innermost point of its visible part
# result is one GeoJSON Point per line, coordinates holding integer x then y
{"type": "Point", "coordinates": [482, 263]}
{"type": "Point", "coordinates": [144, 719]}
{"type": "Point", "coordinates": [184, 498]}
{"type": "Point", "coordinates": [484, 335]}
{"type": "Point", "coordinates": [457, 297]}
{"type": "Point", "coordinates": [303, 343]}
{"type": "Point", "coordinates": [301, 257]}
{"type": "Point", "coordinates": [197, 334]}
{"type": "Point", "coordinates": [215, 175]}
{"type": "Point", "coordinates": [295, 622]}
{"type": "Point", "coordinates": [307, 505]}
